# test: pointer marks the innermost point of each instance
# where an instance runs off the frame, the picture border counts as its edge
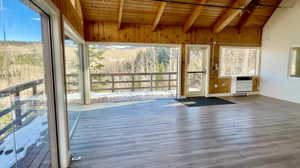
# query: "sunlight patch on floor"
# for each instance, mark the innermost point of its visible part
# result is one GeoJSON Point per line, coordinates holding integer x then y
{"type": "Point", "coordinates": [109, 105]}
{"type": "Point", "coordinates": [174, 105]}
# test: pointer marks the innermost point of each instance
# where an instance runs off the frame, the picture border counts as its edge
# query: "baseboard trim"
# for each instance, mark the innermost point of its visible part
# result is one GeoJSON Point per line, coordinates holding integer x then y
{"type": "Point", "coordinates": [229, 94]}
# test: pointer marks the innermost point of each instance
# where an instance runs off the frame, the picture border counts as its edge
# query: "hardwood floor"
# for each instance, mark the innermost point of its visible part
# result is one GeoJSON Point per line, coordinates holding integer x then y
{"type": "Point", "coordinates": [255, 132]}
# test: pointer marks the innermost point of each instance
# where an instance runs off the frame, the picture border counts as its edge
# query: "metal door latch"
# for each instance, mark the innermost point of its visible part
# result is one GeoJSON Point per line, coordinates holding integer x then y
{"type": "Point", "coordinates": [75, 157]}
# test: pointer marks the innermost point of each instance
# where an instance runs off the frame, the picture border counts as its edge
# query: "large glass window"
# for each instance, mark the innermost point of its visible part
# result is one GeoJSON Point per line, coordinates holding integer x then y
{"type": "Point", "coordinates": [127, 72]}
{"type": "Point", "coordinates": [239, 61]}
{"type": "Point", "coordinates": [294, 68]}
{"type": "Point", "coordinates": [24, 140]}
{"type": "Point", "coordinates": [73, 80]}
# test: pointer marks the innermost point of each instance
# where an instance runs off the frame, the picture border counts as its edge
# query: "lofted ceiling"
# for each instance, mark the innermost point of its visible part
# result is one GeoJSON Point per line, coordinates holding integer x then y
{"type": "Point", "coordinates": [187, 15]}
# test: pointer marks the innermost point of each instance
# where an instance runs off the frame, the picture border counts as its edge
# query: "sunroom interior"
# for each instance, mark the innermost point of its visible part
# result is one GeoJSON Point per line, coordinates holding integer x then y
{"type": "Point", "coordinates": [149, 83]}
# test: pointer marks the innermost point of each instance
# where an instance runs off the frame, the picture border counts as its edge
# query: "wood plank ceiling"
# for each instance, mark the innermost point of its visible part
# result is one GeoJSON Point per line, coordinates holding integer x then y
{"type": "Point", "coordinates": [157, 13]}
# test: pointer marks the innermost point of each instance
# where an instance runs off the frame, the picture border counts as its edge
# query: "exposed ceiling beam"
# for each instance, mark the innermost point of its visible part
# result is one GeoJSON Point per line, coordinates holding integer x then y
{"type": "Point", "coordinates": [194, 15]}
{"type": "Point", "coordinates": [120, 15]}
{"type": "Point", "coordinates": [159, 14]}
{"type": "Point", "coordinates": [248, 13]}
{"type": "Point", "coordinates": [229, 15]}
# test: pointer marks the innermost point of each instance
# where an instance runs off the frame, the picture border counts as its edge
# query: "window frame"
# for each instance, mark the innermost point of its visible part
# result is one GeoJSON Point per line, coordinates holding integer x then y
{"type": "Point", "coordinates": [70, 31]}
{"type": "Point", "coordinates": [207, 64]}
{"type": "Point", "coordinates": [290, 62]}
{"type": "Point", "coordinates": [60, 156]}
{"type": "Point", "coordinates": [257, 68]}
{"type": "Point", "coordinates": [50, 19]}
{"type": "Point", "coordinates": [179, 58]}
{"type": "Point", "coordinates": [80, 70]}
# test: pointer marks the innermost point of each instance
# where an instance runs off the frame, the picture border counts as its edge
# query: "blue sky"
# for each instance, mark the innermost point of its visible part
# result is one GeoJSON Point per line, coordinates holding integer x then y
{"type": "Point", "coordinates": [19, 22]}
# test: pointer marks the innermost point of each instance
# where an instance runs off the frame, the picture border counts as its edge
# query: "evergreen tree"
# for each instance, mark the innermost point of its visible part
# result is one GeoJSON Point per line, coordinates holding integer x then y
{"type": "Point", "coordinates": [96, 59]}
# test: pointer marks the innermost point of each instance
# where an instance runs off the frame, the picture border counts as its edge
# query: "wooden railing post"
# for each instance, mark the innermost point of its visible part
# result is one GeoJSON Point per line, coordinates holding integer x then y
{"type": "Point", "coordinates": [17, 104]}
{"type": "Point", "coordinates": [151, 82]}
{"type": "Point", "coordinates": [91, 83]}
{"type": "Point", "coordinates": [34, 89]}
{"type": "Point", "coordinates": [113, 82]}
{"type": "Point", "coordinates": [34, 93]}
{"type": "Point", "coordinates": [169, 81]}
{"type": "Point", "coordinates": [132, 83]}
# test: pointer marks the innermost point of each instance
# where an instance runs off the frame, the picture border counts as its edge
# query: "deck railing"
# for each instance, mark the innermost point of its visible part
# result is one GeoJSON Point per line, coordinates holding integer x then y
{"type": "Point", "coordinates": [16, 103]}
{"type": "Point", "coordinates": [133, 81]}
{"type": "Point", "coordinates": [97, 82]}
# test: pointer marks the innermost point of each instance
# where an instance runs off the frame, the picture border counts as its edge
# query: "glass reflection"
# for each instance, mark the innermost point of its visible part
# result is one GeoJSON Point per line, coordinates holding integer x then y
{"type": "Point", "coordinates": [72, 67]}
{"type": "Point", "coordinates": [196, 67]}
{"type": "Point", "coordinates": [23, 102]}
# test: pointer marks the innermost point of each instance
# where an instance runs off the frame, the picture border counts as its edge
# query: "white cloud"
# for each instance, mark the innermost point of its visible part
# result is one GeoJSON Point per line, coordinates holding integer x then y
{"type": "Point", "coordinates": [37, 19]}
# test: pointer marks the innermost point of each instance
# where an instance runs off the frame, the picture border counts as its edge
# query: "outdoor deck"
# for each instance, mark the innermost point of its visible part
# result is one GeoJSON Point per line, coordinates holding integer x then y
{"type": "Point", "coordinates": [24, 122]}
{"type": "Point", "coordinates": [112, 87]}
{"type": "Point", "coordinates": [255, 132]}
{"type": "Point", "coordinates": [23, 110]}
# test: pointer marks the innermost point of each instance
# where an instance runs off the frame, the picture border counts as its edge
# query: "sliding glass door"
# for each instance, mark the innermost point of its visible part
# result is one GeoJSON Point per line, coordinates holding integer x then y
{"type": "Point", "coordinates": [25, 83]}
{"type": "Point", "coordinates": [73, 50]}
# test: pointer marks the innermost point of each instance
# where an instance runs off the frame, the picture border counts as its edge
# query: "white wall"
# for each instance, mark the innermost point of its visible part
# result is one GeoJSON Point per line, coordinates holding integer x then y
{"type": "Point", "coordinates": [281, 31]}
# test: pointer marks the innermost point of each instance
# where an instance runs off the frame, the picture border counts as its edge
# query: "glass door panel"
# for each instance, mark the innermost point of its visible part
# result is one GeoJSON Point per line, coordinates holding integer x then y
{"type": "Point", "coordinates": [196, 84]}
{"type": "Point", "coordinates": [197, 65]}
{"type": "Point", "coordinates": [73, 81]}
{"type": "Point", "coordinates": [24, 139]}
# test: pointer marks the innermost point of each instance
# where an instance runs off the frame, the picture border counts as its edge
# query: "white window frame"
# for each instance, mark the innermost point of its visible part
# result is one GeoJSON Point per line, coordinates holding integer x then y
{"type": "Point", "coordinates": [290, 61]}
{"type": "Point", "coordinates": [257, 70]}
{"type": "Point", "coordinates": [74, 36]}
{"type": "Point", "coordinates": [56, 88]}
{"type": "Point", "coordinates": [61, 156]}
{"type": "Point", "coordinates": [179, 59]}
{"type": "Point", "coordinates": [207, 68]}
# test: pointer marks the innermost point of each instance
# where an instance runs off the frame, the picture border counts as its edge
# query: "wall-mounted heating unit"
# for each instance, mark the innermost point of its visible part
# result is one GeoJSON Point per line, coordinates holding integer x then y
{"type": "Point", "coordinates": [241, 85]}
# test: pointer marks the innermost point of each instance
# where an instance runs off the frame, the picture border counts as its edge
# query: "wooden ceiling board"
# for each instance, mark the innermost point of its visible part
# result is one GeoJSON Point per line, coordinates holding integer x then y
{"type": "Point", "coordinates": [255, 21]}
{"type": "Point", "coordinates": [144, 12]}
{"type": "Point", "coordinates": [140, 11]}
{"type": "Point", "coordinates": [208, 17]}
{"type": "Point", "coordinates": [210, 14]}
{"type": "Point", "coordinates": [98, 10]}
{"type": "Point", "coordinates": [175, 14]}
{"type": "Point", "coordinates": [262, 14]}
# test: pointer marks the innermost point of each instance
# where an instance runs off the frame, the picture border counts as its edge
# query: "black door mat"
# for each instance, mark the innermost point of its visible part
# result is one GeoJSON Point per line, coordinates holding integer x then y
{"type": "Point", "coordinates": [203, 101]}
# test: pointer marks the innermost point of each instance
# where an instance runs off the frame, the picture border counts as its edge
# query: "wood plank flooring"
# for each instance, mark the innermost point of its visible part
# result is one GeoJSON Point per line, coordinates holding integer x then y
{"type": "Point", "coordinates": [257, 132]}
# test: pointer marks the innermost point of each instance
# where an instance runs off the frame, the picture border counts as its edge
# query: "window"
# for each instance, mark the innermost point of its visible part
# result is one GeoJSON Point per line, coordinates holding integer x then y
{"type": "Point", "coordinates": [73, 79]}
{"type": "Point", "coordinates": [239, 61]}
{"type": "Point", "coordinates": [24, 84]}
{"type": "Point", "coordinates": [294, 68]}
{"type": "Point", "coordinates": [134, 71]}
